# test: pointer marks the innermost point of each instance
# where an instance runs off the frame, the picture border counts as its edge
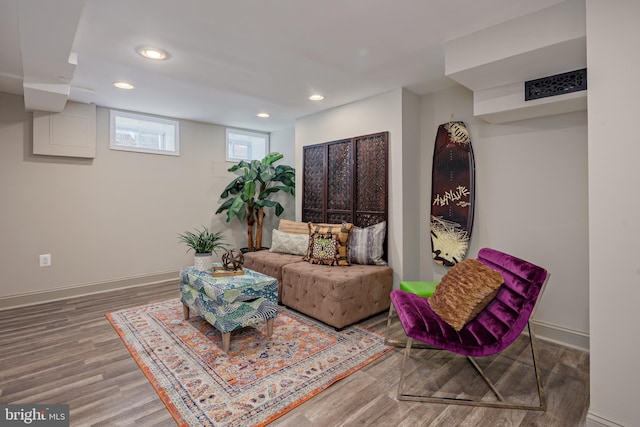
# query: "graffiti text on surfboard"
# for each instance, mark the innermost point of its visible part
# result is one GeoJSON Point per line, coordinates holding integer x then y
{"type": "Point", "coordinates": [451, 196]}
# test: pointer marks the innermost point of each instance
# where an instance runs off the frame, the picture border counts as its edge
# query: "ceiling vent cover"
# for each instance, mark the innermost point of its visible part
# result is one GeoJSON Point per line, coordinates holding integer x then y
{"type": "Point", "coordinates": [559, 84]}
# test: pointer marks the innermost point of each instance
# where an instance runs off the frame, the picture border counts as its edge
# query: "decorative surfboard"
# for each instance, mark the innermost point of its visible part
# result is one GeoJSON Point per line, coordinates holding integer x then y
{"type": "Point", "coordinates": [452, 194]}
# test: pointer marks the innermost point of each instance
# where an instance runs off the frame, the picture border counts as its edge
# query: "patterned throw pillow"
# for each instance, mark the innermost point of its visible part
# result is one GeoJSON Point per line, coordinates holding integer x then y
{"type": "Point", "coordinates": [289, 243]}
{"type": "Point", "coordinates": [297, 227]}
{"type": "Point", "coordinates": [466, 289]}
{"type": "Point", "coordinates": [323, 249]}
{"type": "Point", "coordinates": [366, 245]}
{"type": "Point", "coordinates": [342, 233]}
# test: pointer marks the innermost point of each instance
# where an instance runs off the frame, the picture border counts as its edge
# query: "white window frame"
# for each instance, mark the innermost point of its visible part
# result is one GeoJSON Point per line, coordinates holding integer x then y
{"type": "Point", "coordinates": [145, 118]}
{"type": "Point", "coordinates": [233, 157]}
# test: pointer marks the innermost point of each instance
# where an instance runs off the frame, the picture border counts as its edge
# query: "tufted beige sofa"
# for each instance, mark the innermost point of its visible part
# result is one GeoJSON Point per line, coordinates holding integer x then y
{"type": "Point", "coordinates": [271, 264]}
{"type": "Point", "coordinates": [336, 295]}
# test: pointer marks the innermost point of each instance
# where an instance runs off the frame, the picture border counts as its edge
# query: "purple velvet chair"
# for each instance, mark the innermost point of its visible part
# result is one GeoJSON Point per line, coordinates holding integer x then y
{"type": "Point", "coordinates": [495, 328]}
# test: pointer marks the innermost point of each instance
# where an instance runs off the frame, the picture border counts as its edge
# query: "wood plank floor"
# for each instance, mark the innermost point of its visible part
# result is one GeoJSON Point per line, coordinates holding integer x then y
{"type": "Point", "coordinates": [67, 352]}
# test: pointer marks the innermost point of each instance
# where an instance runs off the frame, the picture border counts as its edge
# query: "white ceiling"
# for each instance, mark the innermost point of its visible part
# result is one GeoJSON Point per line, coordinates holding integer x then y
{"type": "Point", "coordinates": [233, 59]}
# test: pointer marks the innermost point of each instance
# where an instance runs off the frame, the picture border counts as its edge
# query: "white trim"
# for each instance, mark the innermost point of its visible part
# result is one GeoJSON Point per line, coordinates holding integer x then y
{"type": "Point", "coordinates": [146, 118]}
{"type": "Point", "coordinates": [250, 134]}
{"type": "Point", "coordinates": [594, 420]}
{"type": "Point", "coordinates": [39, 297]}
{"type": "Point", "coordinates": [560, 335]}
{"type": "Point", "coordinates": [543, 331]}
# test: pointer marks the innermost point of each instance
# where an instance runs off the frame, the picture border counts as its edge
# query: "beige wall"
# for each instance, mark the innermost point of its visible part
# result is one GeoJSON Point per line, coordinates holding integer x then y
{"type": "Point", "coordinates": [531, 192]}
{"type": "Point", "coordinates": [614, 230]}
{"type": "Point", "coordinates": [115, 219]}
{"type": "Point", "coordinates": [281, 141]}
{"type": "Point", "coordinates": [531, 201]}
{"type": "Point", "coordinates": [379, 113]}
{"type": "Point", "coordinates": [110, 221]}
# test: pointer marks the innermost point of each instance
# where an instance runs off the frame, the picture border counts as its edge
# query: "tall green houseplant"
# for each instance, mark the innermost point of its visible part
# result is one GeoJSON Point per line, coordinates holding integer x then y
{"type": "Point", "coordinates": [248, 194]}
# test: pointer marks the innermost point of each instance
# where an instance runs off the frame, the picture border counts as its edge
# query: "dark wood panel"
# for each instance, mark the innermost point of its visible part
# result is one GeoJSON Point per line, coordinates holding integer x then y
{"type": "Point", "coordinates": [355, 181]}
{"type": "Point", "coordinates": [339, 177]}
{"type": "Point", "coordinates": [354, 176]}
{"type": "Point", "coordinates": [313, 177]}
{"type": "Point", "coordinates": [371, 173]}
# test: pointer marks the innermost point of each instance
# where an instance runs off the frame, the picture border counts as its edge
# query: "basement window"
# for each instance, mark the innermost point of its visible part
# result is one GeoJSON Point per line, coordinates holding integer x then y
{"type": "Point", "coordinates": [144, 134]}
{"type": "Point", "coordinates": [246, 145]}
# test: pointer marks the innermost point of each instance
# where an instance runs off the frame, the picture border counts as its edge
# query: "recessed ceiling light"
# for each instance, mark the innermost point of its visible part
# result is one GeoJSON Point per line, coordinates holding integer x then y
{"type": "Point", "coordinates": [153, 53]}
{"type": "Point", "coordinates": [123, 85]}
{"type": "Point", "coordinates": [263, 115]}
{"type": "Point", "coordinates": [316, 97]}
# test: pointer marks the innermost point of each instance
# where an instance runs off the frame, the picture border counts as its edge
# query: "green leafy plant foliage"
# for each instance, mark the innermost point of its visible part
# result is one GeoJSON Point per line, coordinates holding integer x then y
{"type": "Point", "coordinates": [203, 241]}
{"type": "Point", "coordinates": [248, 194]}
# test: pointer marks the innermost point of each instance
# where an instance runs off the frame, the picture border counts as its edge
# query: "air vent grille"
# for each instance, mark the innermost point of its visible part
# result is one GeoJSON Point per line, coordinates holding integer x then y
{"type": "Point", "coordinates": [559, 84]}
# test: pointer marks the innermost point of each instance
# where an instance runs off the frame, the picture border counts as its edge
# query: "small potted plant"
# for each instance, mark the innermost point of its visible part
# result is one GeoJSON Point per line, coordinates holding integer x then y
{"type": "Point", "coordinates": [204, 243]}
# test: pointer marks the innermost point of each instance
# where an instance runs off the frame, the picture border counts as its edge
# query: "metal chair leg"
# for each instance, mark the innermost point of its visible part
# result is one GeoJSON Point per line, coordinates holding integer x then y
{"type": "Point", "coordinates": [387, 341]}
{"type": "Point", "coordinates": [404, 365]}
{"type": "Point", "coordinates": [501, 403]}
{"type": "Point", "coordinates": [486, 379]}
{"type": "Point", "coordinates": [534, 356]}
{"type": "Point", "coordinates": [397, 343]}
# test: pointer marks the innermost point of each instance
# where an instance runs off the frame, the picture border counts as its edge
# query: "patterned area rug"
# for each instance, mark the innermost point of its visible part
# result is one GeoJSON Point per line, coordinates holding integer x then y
{"type": "Point", "coordinates": [259, 379]}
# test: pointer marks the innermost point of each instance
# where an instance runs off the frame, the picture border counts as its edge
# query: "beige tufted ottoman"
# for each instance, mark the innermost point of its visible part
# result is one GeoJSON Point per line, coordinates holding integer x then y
{"type": "Point", "coordinates": [337, 296]}
{"type": "Point", "coordinates": [270, 263]}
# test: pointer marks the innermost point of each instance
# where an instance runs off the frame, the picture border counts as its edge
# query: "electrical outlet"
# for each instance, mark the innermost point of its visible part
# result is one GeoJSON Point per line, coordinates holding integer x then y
{"type": "Point", "coordinates": [45, 260]}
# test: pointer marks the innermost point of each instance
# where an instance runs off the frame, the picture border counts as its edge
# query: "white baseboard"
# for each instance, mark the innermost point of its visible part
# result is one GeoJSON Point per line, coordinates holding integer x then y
{"type": "Point", "coordinates": [594, 420]}
{"type": "Point", "coordinates": [39, 297]}
{"type": "Point", "coordinates": [560, 335]}
{"type": "Point", "coordinates": [544, 331]}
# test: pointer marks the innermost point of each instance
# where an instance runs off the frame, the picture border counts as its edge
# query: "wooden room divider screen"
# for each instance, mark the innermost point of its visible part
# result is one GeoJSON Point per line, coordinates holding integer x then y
{"type": "Point", "coordinates": [346, 180]}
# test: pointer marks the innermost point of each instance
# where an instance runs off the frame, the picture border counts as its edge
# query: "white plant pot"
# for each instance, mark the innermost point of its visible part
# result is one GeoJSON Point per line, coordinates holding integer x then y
{"type": "Point", "coordinates": [202, 262]}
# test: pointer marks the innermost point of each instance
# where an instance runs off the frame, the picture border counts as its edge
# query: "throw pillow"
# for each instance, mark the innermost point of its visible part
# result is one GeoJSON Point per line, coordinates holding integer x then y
{"type": "Point", "coordinates": [296, 227]}
{"type": "Point", "coordinates": [323, 248]}
{"type": "Point", "coordinates": [366, 245]}
{"type": "Point", "coordinates": [464, 291]}
{"type": "Point", "coordinates": [342, 233]}
{"type": "Point", "coordinates": [289, 243]}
